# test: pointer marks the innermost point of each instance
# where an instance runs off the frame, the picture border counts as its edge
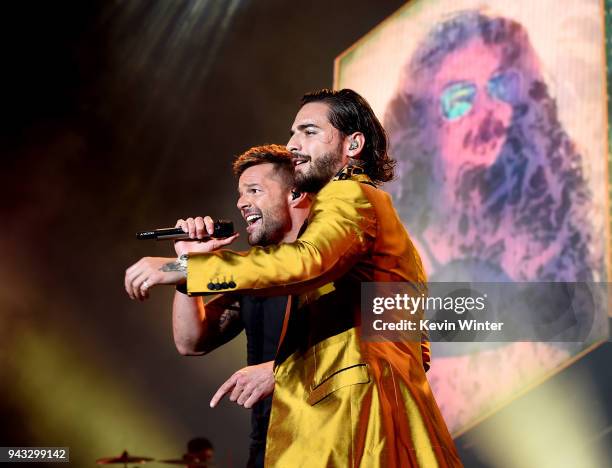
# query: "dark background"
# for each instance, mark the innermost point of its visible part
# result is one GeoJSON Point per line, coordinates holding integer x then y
{"type": "Point", "coordinates": [118, 116]}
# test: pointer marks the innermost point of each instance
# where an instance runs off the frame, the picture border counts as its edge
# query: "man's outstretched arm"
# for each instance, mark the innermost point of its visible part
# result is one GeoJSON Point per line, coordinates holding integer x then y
{"type": "Point", "coordinates": [151, 271]}
{"type": "Point", "coordinates": [341, 228]}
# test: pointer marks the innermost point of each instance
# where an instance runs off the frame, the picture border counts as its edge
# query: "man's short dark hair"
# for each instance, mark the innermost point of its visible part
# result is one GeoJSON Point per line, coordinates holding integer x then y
{"type": "Point", "coordinates": [277, 155]}
{"type": "Point", "coordinates": [350, 113]}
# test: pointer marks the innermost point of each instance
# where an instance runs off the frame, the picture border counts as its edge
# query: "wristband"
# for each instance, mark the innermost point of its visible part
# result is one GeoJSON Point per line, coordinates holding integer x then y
{"type": "Point", "coordinates": [182, 261]}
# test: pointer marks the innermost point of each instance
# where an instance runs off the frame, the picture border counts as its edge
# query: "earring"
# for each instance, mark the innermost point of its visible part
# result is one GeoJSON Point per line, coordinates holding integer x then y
{"type": "Point", "coordinates": [354, 145]}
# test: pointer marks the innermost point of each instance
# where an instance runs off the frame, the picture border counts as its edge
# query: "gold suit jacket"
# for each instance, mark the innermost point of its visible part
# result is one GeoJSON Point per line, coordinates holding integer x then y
{"type": "Point", "coordinates": [339, 401]}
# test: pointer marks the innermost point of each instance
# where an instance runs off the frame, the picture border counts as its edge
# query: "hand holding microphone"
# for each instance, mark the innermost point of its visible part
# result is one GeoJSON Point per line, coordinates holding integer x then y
{"type": "Point", "coordinates": [201, 231]}
{"type": "Point", "coordinates": [221, 228]}
{"type": "Point", "coordinates": [202, 235]}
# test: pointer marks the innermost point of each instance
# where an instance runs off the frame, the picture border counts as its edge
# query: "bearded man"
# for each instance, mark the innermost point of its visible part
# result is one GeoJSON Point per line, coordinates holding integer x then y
{"type": "Point", "coordinates": [339, 400]}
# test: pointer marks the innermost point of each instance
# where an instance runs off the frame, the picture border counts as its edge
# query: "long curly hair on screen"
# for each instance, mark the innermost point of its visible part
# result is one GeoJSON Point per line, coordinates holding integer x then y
{"type": "Point", "coordinates": [535, 189]}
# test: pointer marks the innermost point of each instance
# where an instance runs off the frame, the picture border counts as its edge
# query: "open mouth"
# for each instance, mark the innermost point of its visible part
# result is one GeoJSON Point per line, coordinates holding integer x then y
{"type": "Point", "coordinates": [297, 160]}
{"type": "Point", "coordinates": [252, 220]}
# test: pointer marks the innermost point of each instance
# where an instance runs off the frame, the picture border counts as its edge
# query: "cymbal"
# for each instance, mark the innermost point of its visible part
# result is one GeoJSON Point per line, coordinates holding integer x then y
{"type": "Point", "coordinates": [123, 459]}
{"type": "Point", "coordinates": [187, 462]}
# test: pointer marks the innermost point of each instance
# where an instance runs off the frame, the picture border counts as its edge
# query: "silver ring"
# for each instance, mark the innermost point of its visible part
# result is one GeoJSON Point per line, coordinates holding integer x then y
{"type": "Point", "coordinates": [145, 285]}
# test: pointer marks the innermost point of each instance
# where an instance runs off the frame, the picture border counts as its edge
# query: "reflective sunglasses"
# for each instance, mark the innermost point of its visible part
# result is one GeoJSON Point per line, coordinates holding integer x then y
{"type": "Point", "coordinates": [457, 99]}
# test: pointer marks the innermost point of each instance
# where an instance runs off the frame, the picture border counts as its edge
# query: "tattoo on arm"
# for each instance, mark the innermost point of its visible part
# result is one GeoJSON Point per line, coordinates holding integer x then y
{"type": "Point", "coordinates": [227, 317]}
{"type": "Point", "coordinates": [174, 266]}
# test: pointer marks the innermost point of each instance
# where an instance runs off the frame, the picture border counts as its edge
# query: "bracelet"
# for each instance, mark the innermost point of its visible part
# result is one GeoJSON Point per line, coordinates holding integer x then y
{"type": "Point", "coordinates": [182, 262]}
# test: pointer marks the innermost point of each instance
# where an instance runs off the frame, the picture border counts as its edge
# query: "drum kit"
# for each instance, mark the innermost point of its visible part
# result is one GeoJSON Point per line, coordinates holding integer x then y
{"type": "Point", "coordinates": [126, 459]}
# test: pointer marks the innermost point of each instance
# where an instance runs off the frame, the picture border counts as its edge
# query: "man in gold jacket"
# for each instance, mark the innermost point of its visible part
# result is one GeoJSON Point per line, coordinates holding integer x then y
{"type": "Point", "coordinates": [339, 400]}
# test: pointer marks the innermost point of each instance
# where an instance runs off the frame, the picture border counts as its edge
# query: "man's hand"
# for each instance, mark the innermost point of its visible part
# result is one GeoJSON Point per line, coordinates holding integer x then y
{"type": "Point", "coordinates": [151, 271]}
{"type": "Point", "coordinates": [248, 385]}
{"type": "Point", "coordinates": [198, 228]}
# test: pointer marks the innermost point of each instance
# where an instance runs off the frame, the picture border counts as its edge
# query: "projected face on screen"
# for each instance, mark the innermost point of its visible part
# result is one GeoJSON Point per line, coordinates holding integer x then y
{"type": "Point", "coordinates": [490, 183]}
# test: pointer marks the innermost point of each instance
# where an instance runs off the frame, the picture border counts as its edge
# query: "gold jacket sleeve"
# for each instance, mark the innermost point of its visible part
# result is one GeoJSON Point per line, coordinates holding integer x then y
{"type": "Point", "coordinates": [341, 227]}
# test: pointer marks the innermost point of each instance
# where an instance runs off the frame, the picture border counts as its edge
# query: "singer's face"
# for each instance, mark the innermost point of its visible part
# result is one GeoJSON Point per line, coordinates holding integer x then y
{"type": "Point", "coordinates": [263, 202]}
{"type": "Point", "coordinates": [317, 147]}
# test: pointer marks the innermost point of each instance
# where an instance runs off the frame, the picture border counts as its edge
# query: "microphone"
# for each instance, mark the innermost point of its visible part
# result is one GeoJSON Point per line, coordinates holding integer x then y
{"type": "Point", "coordinates": [223, 229]}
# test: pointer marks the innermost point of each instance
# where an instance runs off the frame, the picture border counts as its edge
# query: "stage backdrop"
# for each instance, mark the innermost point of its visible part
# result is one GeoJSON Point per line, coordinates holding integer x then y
{"type": "Point", "coordinates": [496, 115]}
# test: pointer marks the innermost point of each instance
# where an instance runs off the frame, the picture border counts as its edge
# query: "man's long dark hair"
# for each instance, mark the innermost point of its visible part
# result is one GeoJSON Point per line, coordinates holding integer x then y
{"type": "Point", "coordinates": [350, 113]}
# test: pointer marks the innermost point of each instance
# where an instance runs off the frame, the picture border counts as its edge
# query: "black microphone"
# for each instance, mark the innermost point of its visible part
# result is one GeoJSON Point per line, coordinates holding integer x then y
{"type": "Point", "coordinates": [223, 229]}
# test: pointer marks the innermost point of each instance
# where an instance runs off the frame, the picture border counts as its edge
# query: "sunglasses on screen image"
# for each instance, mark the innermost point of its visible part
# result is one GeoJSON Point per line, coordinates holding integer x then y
{"type": "Point", "coordinates": [457, 98]}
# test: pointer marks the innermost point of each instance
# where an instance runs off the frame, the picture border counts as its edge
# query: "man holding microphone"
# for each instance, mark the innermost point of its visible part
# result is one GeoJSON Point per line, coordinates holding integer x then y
{"type": "Point", "coordinates": [339, 400]}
